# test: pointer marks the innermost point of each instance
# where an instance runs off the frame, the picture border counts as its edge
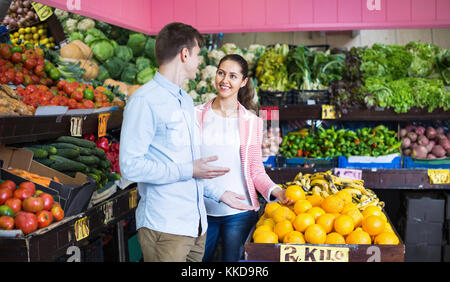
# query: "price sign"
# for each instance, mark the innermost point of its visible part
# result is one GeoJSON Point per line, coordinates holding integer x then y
{"type": "Point", "coordinates": [439, 176]}
{"type": "Point", "coordinates": [328, 112]}
{"type": "Point", "coordinates": [76, 126]}
{"type": "Point", "coordinates": [81, 229]}
{"type": "Point", "coordinates": [43, 11]}
{"type": "Point", "coordinates": [132, 200]}
{"type": "Point", "coordinates": [108, 211]}
{"type": "Point", "coordinates": [304, 253]}
{"type": "Point", "coordinates": [103, 123]}
{"type": "Point", "coordinates": [348, 173]}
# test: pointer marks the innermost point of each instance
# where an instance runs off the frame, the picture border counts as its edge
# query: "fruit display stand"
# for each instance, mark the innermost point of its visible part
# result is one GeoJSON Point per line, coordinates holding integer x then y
{"type": "Point", "coordinates": [65, 237]}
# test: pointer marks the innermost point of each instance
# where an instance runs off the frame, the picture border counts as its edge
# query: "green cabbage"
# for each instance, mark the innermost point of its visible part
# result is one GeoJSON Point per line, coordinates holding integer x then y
{"type": "Point", "coordinates": [102, 49]}
{"type": "Point", "coordinates": [137, 43]}
{"type": "Point", "coordinates": [123, 52]}
{"type": "Point", "coordinates": [145, 75]}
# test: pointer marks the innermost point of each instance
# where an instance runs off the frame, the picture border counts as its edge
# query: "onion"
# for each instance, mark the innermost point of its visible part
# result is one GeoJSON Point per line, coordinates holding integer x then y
{"type": "Point", "coordinates": [431, 156]}
{"type": "Point", "coordinates": [420, 130]}
{"type": "Point", "coordinates": [413, 136]}
{"type": "Point", "coordinates": [410, 127]}
{"type": "Point", "coordinates": [419, 152]}
{"type": "Point", "coordinates": [440, 130]}
{"type": "Point", "coordinates": [406, 142]}
{"type": "Point", "coordinates": [431, 132]}
{"type": "Point", "coordinates": [438, 151]}
{"type": "Point", "coordinates": [430, 145]}
{"type": "Point", "coordinates": [13, 7]}
{"type": "Point", "coordinates": [403, 132]}
{"type": "Point", "coordinates": [423, 140]}
{"type": "Point", "coordinates": [445, 143]}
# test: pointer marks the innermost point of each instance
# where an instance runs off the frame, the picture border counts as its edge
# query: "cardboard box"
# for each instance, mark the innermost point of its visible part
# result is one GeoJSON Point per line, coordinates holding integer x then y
{"type": "Point", "coordinates": [423, 232]}
{"type": "Point", "coordinates": [75, 193]}
{"type": "Point", "coordinates": [424, 208]}
{"type": "Point", "coordinates": [423, 253]}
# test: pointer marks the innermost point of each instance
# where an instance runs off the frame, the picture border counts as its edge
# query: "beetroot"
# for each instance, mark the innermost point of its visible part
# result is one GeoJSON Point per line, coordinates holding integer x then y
{"type": "Point", "coordinates": [406, 142]}
{"type": "Point", "coordinates": [439, 137]}
{"type": "Point", "coordinates": [440, 130]}
{"type": "Point", "coordinates": [403, 132]}
{"type": "Point", "coordinates": [419, 152]}
{"type": "Point", "coordinates": [410, 127]}
{"type": "Point", "coordinates": [431, 156]}
{"type": "Point", "coordinates": [438, 151]}
{"type": "Point", "coordinates": [412, 136]}
{"type": "Point", "coordinates": [423, 140]}
{"type": "Point", "coordinates": [431, 132]}
{"type": "Point", "coordinates": [430, 145]}
{"type": "Point", "coordinates": [445, 143]}
{"type": "Point", "coordinates": [420, 130]}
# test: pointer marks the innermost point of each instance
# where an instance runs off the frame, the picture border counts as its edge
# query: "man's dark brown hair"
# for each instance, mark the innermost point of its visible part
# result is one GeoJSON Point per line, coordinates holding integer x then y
{"type": "Point", "coordinates": [173, 38]}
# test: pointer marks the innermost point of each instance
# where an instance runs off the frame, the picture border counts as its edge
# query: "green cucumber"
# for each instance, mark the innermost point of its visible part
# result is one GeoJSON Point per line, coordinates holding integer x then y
{"type": "Point", "coordinates": [77, 141]}
{"type": "Point", "coordinates": [85, 151]}
{"type": "Point", "coordinates": [65, 164]}
{"type": "Point", "coordinates": [95, 177]}
{"type": "Point", "coordinates": [113, 176]}
{"type": "Point", "coordinates": [63, 145]}
{"type": "Point", "coordinates": [68, 153]}
{"type": "Point", "coordinates": [99, 153]}
{"type": "Point", "coordinates": [105, 164]}
{"type": "Point", "coordinates": [88, 160]}
{"type": "Point", "coordinates": [46, 162]}
{"type": "Point", "coordinates": [38, 153]}
{"type": "Point", "coordinates": [51, 150]}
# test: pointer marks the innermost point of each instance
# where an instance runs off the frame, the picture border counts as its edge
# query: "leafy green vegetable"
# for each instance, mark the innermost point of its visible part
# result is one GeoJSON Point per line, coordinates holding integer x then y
{"type": "Point", "coordinates": [123, 52]}
{"type": "Point", "coordinates": [76, 36]}
{"type": "Point", "coordinates": [136, 42]}
{"type": "Point", "coordinates": [129, 74]}
{"type": "Point", "coordinates": [143, 63]}
{"type": "Point", "coordinates": [145, 75]}
{"type": "Point", "coordinates": [92, 35]}
{"type": "Point", "coordinates": [103, 74]}
{"type": "Point", "coordinates": [149, 49]}
{"type": "Point", "coordinates": [424, 58]}
{"type": "Point", "coordinates": [102, 49]}
{"type": "Point", "coordinates": [115, 66]}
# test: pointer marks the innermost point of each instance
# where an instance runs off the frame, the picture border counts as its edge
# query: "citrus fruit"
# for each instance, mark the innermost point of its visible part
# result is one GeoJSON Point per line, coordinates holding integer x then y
{"type": "Point", "coordinates": [345, 196]}
{"type": "Point", "coordinates": [373, 210]}
{"type": "Point", "coordinates": [356, 215]}
{"type": "Point", "coordinates": [302, 221]}
{"type": "Point", "coordinates": [269, 221]}
{"type": "Point", "coordinates": [266, 237]}
{"type": "Point", "coordinates": [326, 220]}
{"type": "Point", "coordinates": [332, 204]}
{"type": "Point", "coordinates": [334, 238]}
{"type": "Point", "coordinates": [315, 234]}
{"type": "Point", "coordinates": [343, 224]}
{"type": "Point", "coordinates": [270, 207]}
{"type": "Point", "coordinates": [302, 206]}
{"type": "Point", "coordinates": [294, 237]}
{"type": "Point", "coordinates": [348, 207]}
{"type": "Point", "coordinates": [358, 236]}
{"type": "Point", "coordinates": [260, 229]}
{"type": "Point", "coordinates": [373, 224]}
{"type": "Point", "coordinates": [282, 228]}
{"type": "Point", "coordinates": [260, 220]}
{"type": "Point", "coordinates": [314, 199]}
{"type": "Point", "coordinates": [295, 193]}
{"type": "Point", "coordinates": [283, 213]}
{"type": "Point", "coordinates": [386, 238]}
{"type": "Point", "coordinates": [316, 212]}
{"type": "Point", "coordinates": [388, 228]}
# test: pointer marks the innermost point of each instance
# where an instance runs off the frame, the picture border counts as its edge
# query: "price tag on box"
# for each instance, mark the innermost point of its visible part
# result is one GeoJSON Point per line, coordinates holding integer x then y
{"type": "Point", "coordinates": [348, 173]}
{"type": "Point", "coordinates": [43, 11]}
{"type": "Point", "coordinates": [439, 176]}
{"type": "Point", "coordinates": [328, 112]}
{"type": "Point", "coordinates": [81, 229]}
{"type": "Point", "coordinates": [103, 124]}
{"type": "Point", "coordinates": [76, 126]}
{"type": "Point", "coordinates": [305, 253]}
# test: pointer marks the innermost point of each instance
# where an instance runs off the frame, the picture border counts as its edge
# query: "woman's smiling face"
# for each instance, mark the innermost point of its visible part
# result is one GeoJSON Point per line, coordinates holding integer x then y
{"type": "Point", "coordinates": [229, 79]}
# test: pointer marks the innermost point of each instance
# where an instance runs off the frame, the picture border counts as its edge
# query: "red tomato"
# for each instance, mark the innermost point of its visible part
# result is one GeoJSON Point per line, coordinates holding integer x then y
{"type": "Point", "coordinates": [63, 100]}
{"type": "Point", "coordinates": [72, 103]}
{"type": "Point", "coordinates": [5, 194]}
{"type": "Point", "coordinates": [10, 74]}
{"type": "Point", "coordinates": [57, 212]}
{"type": "Point", "coordinates": [26, 221]}
{"type": "Point", "coordinates": [18, 80]}
{"type": "Point", "coordinates": [35, 79]}
{"type": "Point", "coordinates": [77, 95]}
{"type": "Point", "coordinates": [48, 200]}
{"type": "Point", "coordinates": [8, 184]}
{"type": "Point", "coordinates": [5, 51]}
{"type": "Point", "coordinates": [29, 186]}
{"type": "Point", "coordinates": [61, 84]}
{"type": "Point", "coordinates": [3, 79]}
{"type": "Point", "coordinates": [33, 204]}
{"type": "Point", "coordinates": [30, 63]}
{"type": "Point", "coordinates": [88, 104]}
{"type": "Point", "coordinates": [44, 218]}
{"type": "Point", "coordinates": [6, 222]}
{"type": "Point", "coordinates": [15, 204]}
{"type": "Point", "coordinates": [69, 88]}
{"type": "Point", "coordinates": [16, 57]}
{"type": "Point", "coordinates": [22, 194]}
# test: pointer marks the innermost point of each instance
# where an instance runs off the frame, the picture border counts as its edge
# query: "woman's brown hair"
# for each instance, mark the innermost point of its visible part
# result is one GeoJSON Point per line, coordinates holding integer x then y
{"type": "Point", "coordinates": [246, 93]}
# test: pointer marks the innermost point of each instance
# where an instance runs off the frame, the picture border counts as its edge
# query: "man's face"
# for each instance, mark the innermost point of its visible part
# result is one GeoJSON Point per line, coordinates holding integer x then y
{"type": "Point", "coordinates": [193, 62]}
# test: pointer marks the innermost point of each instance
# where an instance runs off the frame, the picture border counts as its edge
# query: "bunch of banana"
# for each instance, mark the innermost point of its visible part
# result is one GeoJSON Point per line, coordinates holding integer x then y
{"type": "Point", "coordinates": [325, 184]}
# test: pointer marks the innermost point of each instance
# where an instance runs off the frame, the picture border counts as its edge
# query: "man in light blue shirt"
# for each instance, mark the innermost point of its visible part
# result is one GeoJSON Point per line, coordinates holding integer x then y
{"type": "Point", "coordinates": [159, 149]}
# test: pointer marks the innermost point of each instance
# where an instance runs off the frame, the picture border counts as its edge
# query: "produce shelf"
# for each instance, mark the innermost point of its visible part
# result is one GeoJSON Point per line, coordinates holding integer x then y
{"type": "Point", "coordinates": [373, 178]}
{"type": "Point", "coordinates": [314, 112]}
{"type": "Point", "coordinates": [50, 243]}
{"type": "Point", "coordinates": [22, 129]}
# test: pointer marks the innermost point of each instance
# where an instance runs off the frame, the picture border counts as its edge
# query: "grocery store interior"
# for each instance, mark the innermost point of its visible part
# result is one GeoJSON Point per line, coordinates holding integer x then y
{"type": "Point", "coordinates": [355, 101]}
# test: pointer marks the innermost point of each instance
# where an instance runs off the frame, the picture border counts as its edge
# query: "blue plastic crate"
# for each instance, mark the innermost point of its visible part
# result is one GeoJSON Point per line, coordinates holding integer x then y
{"type": "Point", "coordinates": [317, 162]}
{"type": "Point", "coordinates": [344, 163]}
{"type": "Point", "coordinates": [270, 161]}
{"type": "Point", "coordinates": [409, 162]}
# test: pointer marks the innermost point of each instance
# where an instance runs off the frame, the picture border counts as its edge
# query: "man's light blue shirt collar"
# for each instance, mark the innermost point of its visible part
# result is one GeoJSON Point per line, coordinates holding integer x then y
{"type": "Point", "coordinates": [167, 84]}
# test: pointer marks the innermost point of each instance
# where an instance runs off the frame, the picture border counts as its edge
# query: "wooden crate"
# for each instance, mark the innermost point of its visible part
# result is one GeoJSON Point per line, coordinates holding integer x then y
{"type": "Point", "coordinates": [323, 252]}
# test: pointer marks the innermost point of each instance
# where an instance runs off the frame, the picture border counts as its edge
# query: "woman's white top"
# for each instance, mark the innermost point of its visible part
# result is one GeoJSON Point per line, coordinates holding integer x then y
{"type": "Point", "coordinates": [220, 137]}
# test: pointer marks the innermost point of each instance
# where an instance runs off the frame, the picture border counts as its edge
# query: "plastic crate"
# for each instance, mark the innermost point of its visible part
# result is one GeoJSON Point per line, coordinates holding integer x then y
{"type": "Point", "coordinates": [269, 161]}
{"type": "Point", "coordinates": [409, 162]}
{"type": "Point", "coordinates": [344, 163]}
{"type": "Point", "coordinates": [316, 162]}
{"type": "Point", "coordinates": [274, 98]}
{"type": "Point", "coordinates": [310, 97]}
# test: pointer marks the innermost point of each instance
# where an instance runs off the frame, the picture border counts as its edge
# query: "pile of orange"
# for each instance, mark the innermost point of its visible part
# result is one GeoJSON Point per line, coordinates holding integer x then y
{"type": "Point", "coordinates": [316, 220]}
